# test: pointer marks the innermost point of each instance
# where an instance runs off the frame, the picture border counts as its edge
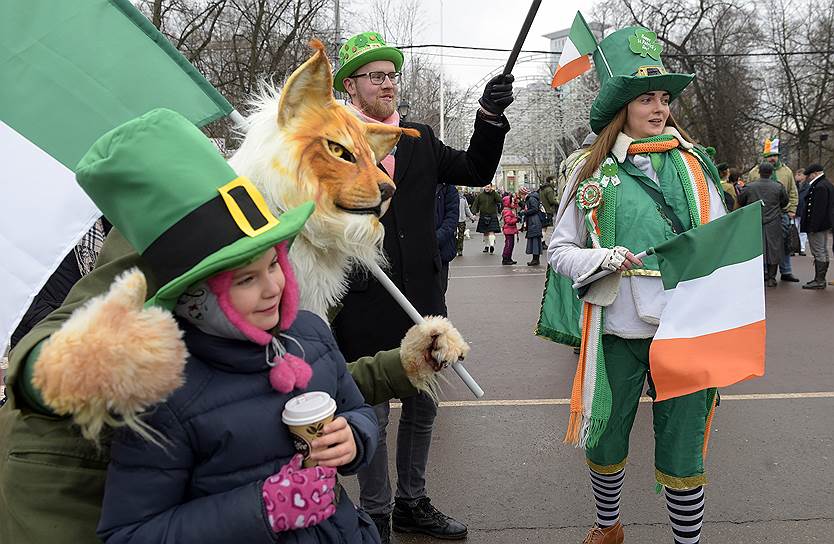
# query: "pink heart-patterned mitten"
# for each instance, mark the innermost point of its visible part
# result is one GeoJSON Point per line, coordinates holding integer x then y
{"type": "Point", "coordinates": [297, 497]}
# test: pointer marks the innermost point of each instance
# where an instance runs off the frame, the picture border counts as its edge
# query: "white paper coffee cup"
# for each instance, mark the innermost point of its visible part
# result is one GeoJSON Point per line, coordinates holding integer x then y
{"type": "Point", "coordinates": [305, 416]}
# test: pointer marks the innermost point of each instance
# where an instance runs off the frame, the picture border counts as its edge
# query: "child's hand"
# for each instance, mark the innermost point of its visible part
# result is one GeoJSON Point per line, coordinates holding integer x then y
{"type": "Point", "coordinates": [336, 447]}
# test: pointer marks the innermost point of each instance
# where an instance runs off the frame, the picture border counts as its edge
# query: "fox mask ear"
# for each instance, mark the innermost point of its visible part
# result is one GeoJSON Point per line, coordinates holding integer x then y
{"type": "Point", "coordinates": [310, 84]}
{"type": "Point", "coordinates": [382, 138]}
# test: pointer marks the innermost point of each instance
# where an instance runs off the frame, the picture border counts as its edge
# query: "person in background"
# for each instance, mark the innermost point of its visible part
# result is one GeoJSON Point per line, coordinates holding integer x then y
{"type": "Point", "coordinates": [510, 229]}
{"type": "Point", "coordinates": [532, 225]}
{"type": "Point", "coordinates": [783, 175]}
{"type": "Point", "coordinates": [464, 213]}
{"type": "Point", "coordinates": [817, 221]}
{"type": "Point", "coordinates": [730, 197]}
{"type": "Point", "coordinates": [736, 181]}
{"type": "Point", "coordinates": [446, 214]}
{"type": "Point", "coordinates": [550, 202]}
{"type": "Point", "coordinates": [773, 196]}
{"type": "Point", "coordinates": [802, 189]}
{"type": "Point", "coordinates": [486, 206]}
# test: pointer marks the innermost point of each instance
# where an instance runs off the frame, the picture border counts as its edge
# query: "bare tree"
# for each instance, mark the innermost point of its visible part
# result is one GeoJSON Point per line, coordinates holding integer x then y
{"type": "Point", "coordinates": [800, 102]}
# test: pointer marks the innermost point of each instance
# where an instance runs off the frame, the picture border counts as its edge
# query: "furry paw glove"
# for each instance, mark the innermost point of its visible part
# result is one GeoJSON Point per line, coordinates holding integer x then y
{"type": "Point", "coordinates": [112, 359]}
{"type": "Point", "coordinates": [297, 497]}
{"type": "Point", "coordinates": [428, 348]}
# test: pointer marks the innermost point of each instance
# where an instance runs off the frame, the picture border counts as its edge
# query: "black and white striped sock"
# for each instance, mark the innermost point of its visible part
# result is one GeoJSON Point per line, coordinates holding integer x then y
{"type": "Point", "coordinates": [686, 511]}
{"type": "Point", "coordinates": [607, 488]}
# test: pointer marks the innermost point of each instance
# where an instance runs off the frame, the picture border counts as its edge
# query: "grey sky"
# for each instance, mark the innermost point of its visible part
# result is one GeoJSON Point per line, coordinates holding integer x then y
{"type": "Point", "coordinates": [493, 23]}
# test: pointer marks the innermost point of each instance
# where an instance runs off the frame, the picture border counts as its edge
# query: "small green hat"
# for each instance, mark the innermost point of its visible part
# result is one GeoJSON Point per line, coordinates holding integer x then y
{"type": "Point", "coordinates": [628, 64]}
{"type": "Point", "coordinates": [168, 190]}
{"type": "Point", "coordinates": [361, 49]}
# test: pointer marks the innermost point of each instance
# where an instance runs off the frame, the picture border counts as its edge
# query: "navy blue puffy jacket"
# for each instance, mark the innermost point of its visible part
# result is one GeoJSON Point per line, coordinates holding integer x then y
{"type": "Point", "coordinates": [226, 437]}
{"type": "Point", "coordinates": [446, 217]}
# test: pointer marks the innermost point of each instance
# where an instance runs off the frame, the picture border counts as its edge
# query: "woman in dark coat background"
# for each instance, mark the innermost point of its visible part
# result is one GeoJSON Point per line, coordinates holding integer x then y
{"type": "Point", "coordinates": [774, 197]}
{"type": "Point", "coordinates": [533, 225]}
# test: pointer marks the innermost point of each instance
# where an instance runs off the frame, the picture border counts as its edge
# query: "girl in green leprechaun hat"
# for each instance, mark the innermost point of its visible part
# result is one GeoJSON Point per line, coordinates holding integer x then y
{"type": "Point", "coordinates": [213, 462]}
{"type": "Point", "coordinates": [643, 181]}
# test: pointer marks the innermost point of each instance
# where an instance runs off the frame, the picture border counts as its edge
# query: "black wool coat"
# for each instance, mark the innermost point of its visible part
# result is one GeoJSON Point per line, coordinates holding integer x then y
{"type": "Point", "coordinates": [818, 214]}
{"type": "Point", "coordinates": [370, 320]}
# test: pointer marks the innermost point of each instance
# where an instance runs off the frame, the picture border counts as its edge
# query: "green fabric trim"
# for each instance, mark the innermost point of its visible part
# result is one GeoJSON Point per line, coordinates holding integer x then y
{"type": "Point", "coordinates": [607, 469]}
{"type": "Point", "coordinates": [557, 336]}
{"type": "Point", "coordinates": [679, 483]}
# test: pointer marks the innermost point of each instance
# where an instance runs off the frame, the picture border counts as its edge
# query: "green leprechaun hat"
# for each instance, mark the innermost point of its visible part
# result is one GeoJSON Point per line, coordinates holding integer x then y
{"type": "Point", "coordinates": [628, 64]}
{"type": "Point", "coordinates": [361, 49]}
{"type": "Point", "coordinates": [168, 190]}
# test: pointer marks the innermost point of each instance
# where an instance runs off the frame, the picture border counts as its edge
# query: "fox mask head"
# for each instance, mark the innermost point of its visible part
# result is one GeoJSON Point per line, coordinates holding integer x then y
{"type": "Point", "coordinates": [303, 145]}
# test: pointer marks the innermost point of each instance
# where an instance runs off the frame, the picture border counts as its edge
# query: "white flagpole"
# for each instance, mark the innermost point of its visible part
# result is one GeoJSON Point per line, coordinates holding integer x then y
{"type": "Point", "coordinates": [412, 312]}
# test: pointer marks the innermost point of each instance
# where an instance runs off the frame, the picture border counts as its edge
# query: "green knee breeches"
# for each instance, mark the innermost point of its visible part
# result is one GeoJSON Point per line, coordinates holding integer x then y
{"type": "Point", "coordinates": [680, 424]}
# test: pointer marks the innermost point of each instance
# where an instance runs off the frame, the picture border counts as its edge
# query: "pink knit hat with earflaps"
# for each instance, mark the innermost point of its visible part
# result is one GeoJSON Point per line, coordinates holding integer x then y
{"type": "Point", "coordinates": [288, 371]}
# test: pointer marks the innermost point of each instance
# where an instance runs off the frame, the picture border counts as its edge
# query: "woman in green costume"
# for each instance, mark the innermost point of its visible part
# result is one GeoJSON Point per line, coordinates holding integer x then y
{"type": "Point", "coordinates": [643, 181]}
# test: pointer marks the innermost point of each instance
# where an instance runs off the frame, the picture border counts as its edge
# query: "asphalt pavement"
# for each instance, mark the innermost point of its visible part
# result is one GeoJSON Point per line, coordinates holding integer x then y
{"type": "Point", "coordinates": [499, 464]}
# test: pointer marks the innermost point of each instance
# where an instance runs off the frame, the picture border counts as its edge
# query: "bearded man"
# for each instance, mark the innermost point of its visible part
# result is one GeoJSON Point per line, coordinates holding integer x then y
{"type": "Point", "coordinates": [370, 74]}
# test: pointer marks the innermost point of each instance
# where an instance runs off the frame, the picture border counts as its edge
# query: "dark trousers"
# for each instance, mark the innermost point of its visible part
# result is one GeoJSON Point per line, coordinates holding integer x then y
{"type": "Point", "coordinates": [509, 244]}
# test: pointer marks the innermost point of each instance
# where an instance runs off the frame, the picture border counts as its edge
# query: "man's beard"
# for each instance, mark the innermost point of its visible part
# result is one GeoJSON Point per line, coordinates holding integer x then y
{"type": "Point", "coordinates": [377, 109]}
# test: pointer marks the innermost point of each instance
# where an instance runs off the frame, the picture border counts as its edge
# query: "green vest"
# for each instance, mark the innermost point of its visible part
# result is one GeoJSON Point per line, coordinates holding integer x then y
{"type": "Point", "coordinates": [640, 222]}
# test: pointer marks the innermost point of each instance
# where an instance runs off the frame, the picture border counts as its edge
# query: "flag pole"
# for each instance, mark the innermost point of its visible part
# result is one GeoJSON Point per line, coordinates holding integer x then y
{"type": "Point", "coordinates": [412, 312]}
{"type": "Point", "coordinates": [602, 273]}
{"type": "Point", "coordinates": [522, 35]}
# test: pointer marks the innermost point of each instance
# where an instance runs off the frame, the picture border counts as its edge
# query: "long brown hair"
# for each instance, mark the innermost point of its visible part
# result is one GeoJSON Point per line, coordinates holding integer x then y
{"type": "Point", "coordinates": [605, 142]}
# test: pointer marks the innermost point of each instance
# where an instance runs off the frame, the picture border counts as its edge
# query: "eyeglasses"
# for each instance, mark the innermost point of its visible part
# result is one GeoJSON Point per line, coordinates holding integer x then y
{"type": "Point", "coordinates": [378, 78]}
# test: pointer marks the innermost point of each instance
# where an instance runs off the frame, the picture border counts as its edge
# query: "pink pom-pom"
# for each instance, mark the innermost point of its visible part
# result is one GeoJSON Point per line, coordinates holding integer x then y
{"type": "Point", "coordinates": [281, 377]}
{"type": "Point", "coordinates": [300, 368]}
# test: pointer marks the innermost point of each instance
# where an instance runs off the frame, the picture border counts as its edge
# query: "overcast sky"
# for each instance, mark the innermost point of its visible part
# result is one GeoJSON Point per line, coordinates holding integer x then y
{"type": "Point", "coordinates": [493, 23]}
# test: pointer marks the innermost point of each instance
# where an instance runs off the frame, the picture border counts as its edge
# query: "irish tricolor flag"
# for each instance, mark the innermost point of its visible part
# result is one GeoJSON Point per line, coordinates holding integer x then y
{"type": "Point", "coordinates": [71, 71]}
{"type": "Point", "coordinates": [712, 331]}
{"type": "Point", "coordinates": [574, 60]}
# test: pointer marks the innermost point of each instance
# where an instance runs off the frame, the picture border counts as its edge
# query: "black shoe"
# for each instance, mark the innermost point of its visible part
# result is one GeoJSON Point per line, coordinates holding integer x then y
{"type": "Point", "coordinates": [507, 261]}
{"type": "Point", "coordinates": [486, 249]}
{"type": "Point", "coordinates": [534, 261]}
{"type": "Point", "coordinates": [426, 519]}
{"type": "Point", "coordinates": [491, 249]}
{"type": "Point", "coordinates": [460, 253]}
{"type": "Point", "coordinates": [383, 525]}
{"type": "Point", "coordinates": [802, 254]}
{"type": "Point", "coordinates": [790, 278]}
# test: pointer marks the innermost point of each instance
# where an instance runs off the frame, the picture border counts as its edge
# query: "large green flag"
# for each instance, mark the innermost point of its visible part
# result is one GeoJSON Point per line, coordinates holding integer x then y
{"type": "Point", "coordinates": [72, 70]}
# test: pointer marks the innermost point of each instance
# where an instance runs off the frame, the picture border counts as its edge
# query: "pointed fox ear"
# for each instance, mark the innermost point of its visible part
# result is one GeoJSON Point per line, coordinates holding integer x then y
{"type": "Point", "coordinates": [382, 138]}
{"type": "Point", "coordinates": [310, 84]}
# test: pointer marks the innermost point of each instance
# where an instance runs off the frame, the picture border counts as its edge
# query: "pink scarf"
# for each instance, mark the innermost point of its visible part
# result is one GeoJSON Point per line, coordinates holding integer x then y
{"type": "Point", "coordinates": [393, 120]}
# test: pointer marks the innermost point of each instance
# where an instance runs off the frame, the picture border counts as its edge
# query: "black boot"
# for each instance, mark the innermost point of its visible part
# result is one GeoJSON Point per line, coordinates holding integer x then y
{"type": "Point", "coordinates": [771, 275]}
{"type": "Point", "coordinates": [789, 277]}
{"type": "Point", "coordinates": [534, 261]}
{"type": "Point", "coordinates": [820, 268]}
{"type": "Point", "coordinates": [507, 261]}
{"type": "Point", "coordinates": [424, 518]}
{"type": "Point", "coordinates": [383, 525]}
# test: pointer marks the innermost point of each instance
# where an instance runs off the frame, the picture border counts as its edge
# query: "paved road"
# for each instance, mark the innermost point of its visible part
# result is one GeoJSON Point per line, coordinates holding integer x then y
{"type": "Point", "coordinates": [500, 464]}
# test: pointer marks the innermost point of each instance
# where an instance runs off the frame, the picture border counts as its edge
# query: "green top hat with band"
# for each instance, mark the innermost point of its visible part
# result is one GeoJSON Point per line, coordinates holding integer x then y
{"type": "Point", "coordinates": [165, 186]}
{"type": "Point", "coordinates": [628, 64]}
{"type": "Point", "coordinates": [361, 49]}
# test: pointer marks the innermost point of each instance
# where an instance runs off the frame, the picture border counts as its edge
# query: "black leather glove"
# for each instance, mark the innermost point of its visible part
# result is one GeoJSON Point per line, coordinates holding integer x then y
{"type": "Point", "coordinates": [498, 94]}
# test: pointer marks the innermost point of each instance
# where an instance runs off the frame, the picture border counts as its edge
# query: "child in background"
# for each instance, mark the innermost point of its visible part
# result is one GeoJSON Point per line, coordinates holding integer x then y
{"type": "Point", "coordinates": [510, 229]}
{"type": "Point", "coordinates": [220, 465]}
